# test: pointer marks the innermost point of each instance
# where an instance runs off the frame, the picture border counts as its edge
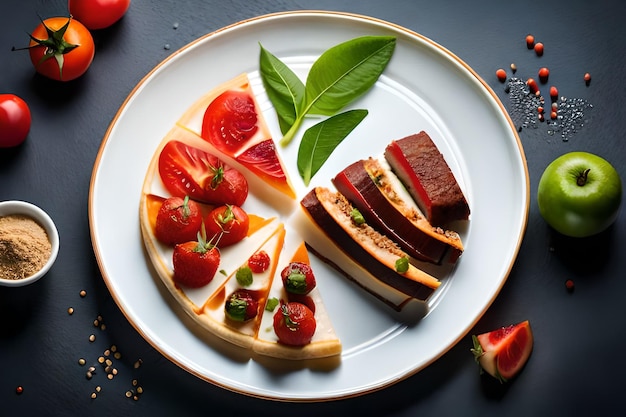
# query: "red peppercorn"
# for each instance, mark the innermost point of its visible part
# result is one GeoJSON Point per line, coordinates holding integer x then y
{"type": "Point", "coordinates": [543, 74]}
{"type": "Point", "coordinates": [530, 41]}
{"type": "Point", "coordinates": [552, 115]}
{"type": "Point", "coordinates": [19, 390]}
{"type": "Point", "coordinates": [501, 74]}
{"type": "Point", "coordinates": [569, 284]}
{"type": "Point", "coordinates": [540, 109]}
{"type": "Point", "coordinates": [554, 93]}
{"type": "Point", "coordinates": [539, 48]}
{"type": "Point", "coordinates": [587, 78]}
{"type": "Point", "coordinates": [532, 85]}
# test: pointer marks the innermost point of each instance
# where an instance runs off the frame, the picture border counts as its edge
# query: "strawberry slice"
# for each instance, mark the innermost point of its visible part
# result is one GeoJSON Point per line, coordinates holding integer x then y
{"type": "Point", "coordinates": [503, 352]}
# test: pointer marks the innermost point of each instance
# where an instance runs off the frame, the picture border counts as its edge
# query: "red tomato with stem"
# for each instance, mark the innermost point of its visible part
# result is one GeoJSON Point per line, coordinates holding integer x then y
{"type": "Point", "coordinates": [230, 121]}
{"type": "Point", "coordinates": [61, 48]}
{"type": "Point", "coordinates": [298, 278]}
{"type": "Point", "coordinates": [186, 170]}
{"type": "Point", "coordinates": [15, 120]}
{"type": "Point", "coordinates": [98, 14]}
{"type": "Point", "coordinates": [241, 306]}
{"type": "Point", "coordinates": [178, 220]}
{"type": "Point", "coordinates": [294, 324]}
{"type": "Point", "coordinates": [195, 263]}
{"type": "Point", "coordinates": [229, 224]}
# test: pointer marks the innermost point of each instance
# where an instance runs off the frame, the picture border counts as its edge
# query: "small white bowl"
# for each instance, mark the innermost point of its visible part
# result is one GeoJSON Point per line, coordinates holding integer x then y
{"type": "Point", "coordinates": [27, 209]}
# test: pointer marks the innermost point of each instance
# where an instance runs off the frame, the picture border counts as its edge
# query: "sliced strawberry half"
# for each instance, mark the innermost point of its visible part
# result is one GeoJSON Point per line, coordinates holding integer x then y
{"type": "Point", "coordinates": [503, 352]}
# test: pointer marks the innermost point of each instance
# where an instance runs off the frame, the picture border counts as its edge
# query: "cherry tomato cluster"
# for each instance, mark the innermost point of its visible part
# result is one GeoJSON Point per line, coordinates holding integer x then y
{"type": "Point", "coordinates": [243, 304]}
{"type": "Point", "coordinates": [294, 322]}
{"type": "Point", "coordinates": [60, 48]}
{"type": "Point", "coordinates": [199, 182]}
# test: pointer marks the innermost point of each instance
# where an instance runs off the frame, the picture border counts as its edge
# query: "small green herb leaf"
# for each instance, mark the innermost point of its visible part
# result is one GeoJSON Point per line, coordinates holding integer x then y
{"type": "Point", "coordinates": [283, 87]}
{"type": "Point", "coordinates": [357, 217]}
{"type": "Point", "coordinates": [244, 276]}
{"type": "Point", "coordinates": [345, 72]}
{"type": "Point", "coordinates": [271, 304]}
{"type": "Point", "coordinates": [320, 141]}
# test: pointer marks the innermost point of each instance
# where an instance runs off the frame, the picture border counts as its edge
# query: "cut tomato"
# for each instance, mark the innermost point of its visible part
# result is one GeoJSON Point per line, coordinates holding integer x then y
{"type": "Point", "coordinates": [230, 121]}
{"type": "Point", "coordinates": [503, 352]}
{"type": "Point", "coordinates": [263, 161]}
{"type": "Point", "coordinates": [186, 170]}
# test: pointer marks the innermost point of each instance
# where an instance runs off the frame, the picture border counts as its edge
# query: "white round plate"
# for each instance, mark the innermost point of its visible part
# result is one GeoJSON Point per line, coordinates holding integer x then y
{"type": "Point", "coordinates": [425, 87]}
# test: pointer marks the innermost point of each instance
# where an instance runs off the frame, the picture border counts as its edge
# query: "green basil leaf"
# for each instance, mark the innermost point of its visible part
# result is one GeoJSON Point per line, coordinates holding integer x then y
{"type": "Point", "coordinates": [284, 89]}
{"type": "Point", "coordinates": [320, 140]}
{"type": "Point", "coordinates": [345, 72]}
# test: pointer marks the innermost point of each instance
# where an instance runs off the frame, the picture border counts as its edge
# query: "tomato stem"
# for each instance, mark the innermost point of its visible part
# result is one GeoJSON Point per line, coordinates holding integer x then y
{"type": "Point", "coordinates": [55, 45]}
{"type": "Point", "coordinates": [581, 180]}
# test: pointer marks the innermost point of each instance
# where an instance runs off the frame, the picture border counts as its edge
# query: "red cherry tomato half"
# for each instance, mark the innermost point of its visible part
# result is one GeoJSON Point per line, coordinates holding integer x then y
{"type": "Point", "coordinates": [186, 170]}
{"type": "Point", "coordinates": [61, 58]}
{"type": "Point", "coordinates": [230, 121]}
{"type": "Point", "coordinates": [14, 120]}
{"type": "Point", "coordinates": [98, 14]}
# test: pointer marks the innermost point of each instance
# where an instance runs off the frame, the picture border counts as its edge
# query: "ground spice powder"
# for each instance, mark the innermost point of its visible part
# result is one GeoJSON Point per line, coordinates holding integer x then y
{"type": "Point", "coordinates": [24, 247]}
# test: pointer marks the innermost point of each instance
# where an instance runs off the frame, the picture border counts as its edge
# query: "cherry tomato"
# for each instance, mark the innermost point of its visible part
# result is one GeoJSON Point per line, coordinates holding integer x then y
{"type": "Point", "coordinates": [228, 223]}
{"type": "Point", "coordinates": [298, 278]}
{"type": "Point", "coordinates": [230, 121]}
{"type": "Point", "coordinates": [259, 262]}
{"type": "Point", "coordinates": [178, 220]}
{"type": "Point", "coordinates": [64, 54]}
{"type": "Point", "coordinates": [241, 306]}
{"type": "Point", "coordinates": [294, 324]}
{"type": "Point", "coordinates": [195, 263]}
{"type": "Point", "coordinates": [14, 120]}
{"type": "Point", "coordinates": [98, 14]}
{"type": "Point", "coordinates": [186, 170]}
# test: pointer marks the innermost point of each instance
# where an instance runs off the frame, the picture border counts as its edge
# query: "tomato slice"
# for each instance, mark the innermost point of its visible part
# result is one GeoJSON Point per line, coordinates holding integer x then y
{"type": "Point", "coordinates": [230, 121]}
{"type": "Point", "coordinates": [187, 170]}
{"type": "Point", "coordinates": [262, 159]}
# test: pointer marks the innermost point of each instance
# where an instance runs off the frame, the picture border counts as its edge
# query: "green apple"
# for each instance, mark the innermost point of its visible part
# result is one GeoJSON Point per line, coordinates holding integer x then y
{"type": "Point", "coordinates": [579, 194]}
